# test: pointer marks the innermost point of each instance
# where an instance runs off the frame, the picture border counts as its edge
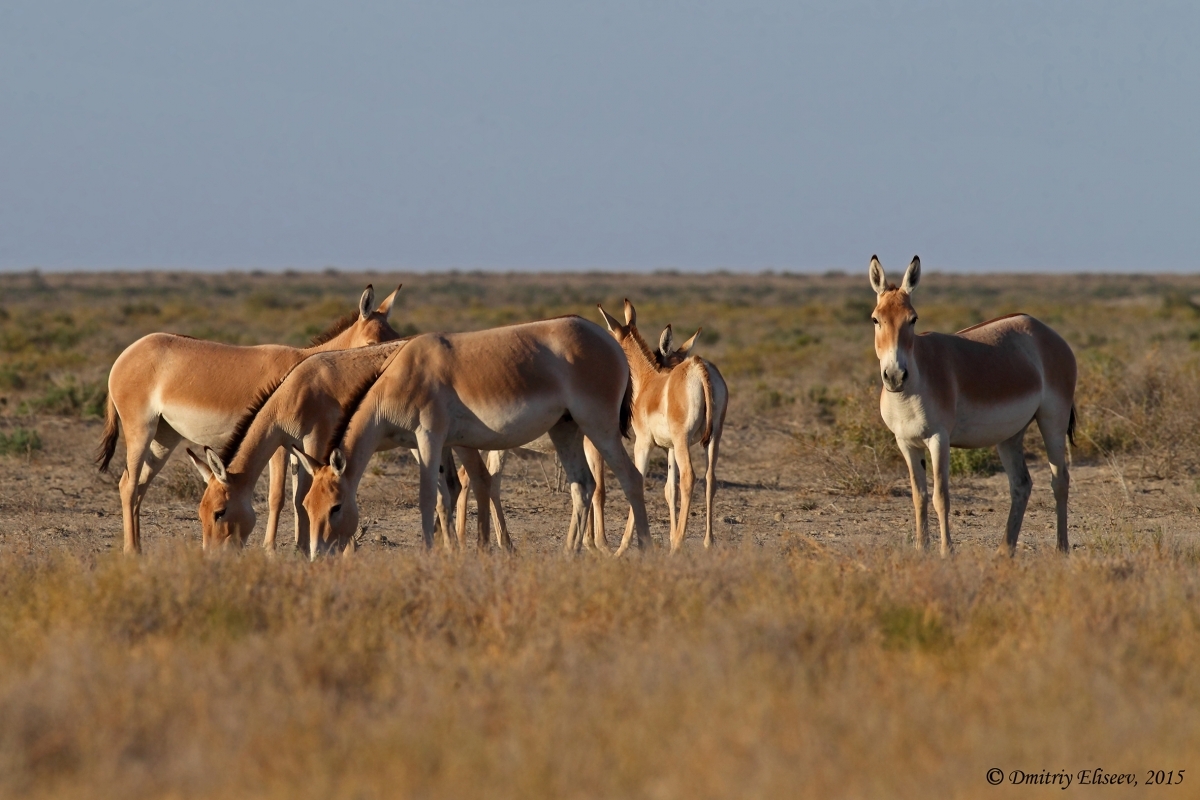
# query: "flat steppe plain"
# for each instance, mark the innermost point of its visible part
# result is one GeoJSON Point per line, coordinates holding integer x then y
{"type": "Point", "coordinates": [812, 653]}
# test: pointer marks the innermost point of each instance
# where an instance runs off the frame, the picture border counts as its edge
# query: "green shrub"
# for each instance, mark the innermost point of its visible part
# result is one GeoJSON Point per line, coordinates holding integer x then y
{"type": "Point", "coordinates": [69, 397]}
{"type": "Point", "coordinates": [980, 461]}
{"type": "Point", "coordinates": [21, 441]}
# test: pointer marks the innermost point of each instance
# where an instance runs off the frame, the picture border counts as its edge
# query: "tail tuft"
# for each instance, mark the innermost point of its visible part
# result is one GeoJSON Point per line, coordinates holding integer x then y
{"type": "Point", "coordinates": [1071, 427]}
{"type": "Point", "coordinates": [706, 382]}
{"type": "Point", "coordinates": [108, 440]}
{"type": "Point", "coordinates": [627, 408]}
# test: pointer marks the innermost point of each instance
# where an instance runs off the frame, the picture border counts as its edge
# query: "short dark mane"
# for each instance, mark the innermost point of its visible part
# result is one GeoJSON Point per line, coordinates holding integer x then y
{"type": "Point", "coordinates": [243, 425]}
{"type": "Point", "coordinates": [340, 326]}
{"type": "Point", "coordinates": [348, 411]}
{"type": "Point", "coordinates": [650, 355]}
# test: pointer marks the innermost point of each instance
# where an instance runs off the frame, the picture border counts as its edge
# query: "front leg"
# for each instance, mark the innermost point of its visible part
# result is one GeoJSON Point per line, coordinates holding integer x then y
{"type": "Point", "coordinates": [278, 471]}
{"type": "Point", "coordinates": [939, 451]}
{"type": "Point", "coordinates": [914, 456]}
{"type": "Point", "coordinates": [429, 453]}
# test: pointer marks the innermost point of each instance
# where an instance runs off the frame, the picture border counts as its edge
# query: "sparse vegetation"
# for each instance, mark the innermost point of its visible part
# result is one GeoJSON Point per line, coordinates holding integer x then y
{"type": "Point", "coordinates": [812, 654]}
{"type": "Point", "coordinates": [20, 441]}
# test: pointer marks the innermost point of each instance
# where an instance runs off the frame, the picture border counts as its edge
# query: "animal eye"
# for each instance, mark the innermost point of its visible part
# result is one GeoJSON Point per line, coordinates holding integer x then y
{"type": "Point", "coordinates": [875, 320]}
{"type": "Point", "coordinates": [218, 516]}
{"type": "Point", "coordinates": [336, 509]}
{"type": "Point", "coordinates": [913, 320]}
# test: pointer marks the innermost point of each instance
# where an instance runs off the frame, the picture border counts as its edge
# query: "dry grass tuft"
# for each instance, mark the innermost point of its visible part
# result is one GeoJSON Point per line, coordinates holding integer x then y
{"type": "Point", "coordinates": [794, 673]}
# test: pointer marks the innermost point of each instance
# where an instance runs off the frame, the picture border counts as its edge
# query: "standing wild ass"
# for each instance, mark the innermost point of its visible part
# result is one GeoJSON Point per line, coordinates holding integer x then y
{"type": "Point", "coordinates": [165, 388]}
{"type": "Point", "coordinates": [677, 401]}
{"type": "Point", "coordinates": [980, 387]}
{"type": "Point", "coordinates": [301, 412]}
{"type": "Point", "coordinates": [490, 390]}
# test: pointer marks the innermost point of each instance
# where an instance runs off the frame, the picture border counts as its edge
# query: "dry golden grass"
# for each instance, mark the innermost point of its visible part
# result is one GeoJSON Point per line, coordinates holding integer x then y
{"type": "Point", "coordinates": [795, 673]}
{"type": "Point", "coordinates": [781, 667]}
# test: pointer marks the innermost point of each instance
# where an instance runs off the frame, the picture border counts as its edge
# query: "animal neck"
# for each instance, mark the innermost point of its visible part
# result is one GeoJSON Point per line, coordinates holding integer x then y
{"type": "Point", "coordinates": [642, 364]}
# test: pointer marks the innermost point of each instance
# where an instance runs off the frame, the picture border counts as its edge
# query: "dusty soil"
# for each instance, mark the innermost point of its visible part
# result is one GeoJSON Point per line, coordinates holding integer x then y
{"type": "Point", "coordinates": [771, 494]}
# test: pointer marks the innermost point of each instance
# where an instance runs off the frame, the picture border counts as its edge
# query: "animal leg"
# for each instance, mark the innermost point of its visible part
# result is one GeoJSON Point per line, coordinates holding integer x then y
{"type": "Point", "coordinates": [460, 513]}
{"type": "Point", "coordinates": [429, 458]}
{"type": "Point", "coordinates": [914, 456]}
{"type": "Point", "coordinates": [145, 457]}
{"type": "Point", "coordinates": [481, 487]}
{"type": "Point", "coordinates": [1060, 477]}
{"type": "Point", "coordinates": [641, 462]}
{"type": "Point", "coordinates": [939, 452]}
{"type": "Point", "coordinates": [301, 483]}
{"type": "Point", "coordinates": [669, 489]}
{"type": "Point", "coordinates": [1020, 485]}
{"type": "Point", "coordinates": [710, 485]}
{"type": "Point", "coordinates": [599, 538]}
{"type": "Point", "coordinates": [277, 484]}
{"type": "Point", "coordinates": [568, 443]}
{"type": "Point", "coordinates": [495, 467]}
{"type": "Point", "coordinates": [687, 482]}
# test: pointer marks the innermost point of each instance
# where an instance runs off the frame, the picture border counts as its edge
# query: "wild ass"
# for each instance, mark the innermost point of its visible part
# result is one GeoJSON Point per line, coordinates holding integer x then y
{"type": "Point", "coordinates": [301, 412]}
{"type": "Point", "coordinates": [979, 387]}
{"type": "Point", "coordinates": [678, 400]}
{"type": "Point", "coordinates": [490, 390]}
{"type": "Point", "coordinates": [165, 388]}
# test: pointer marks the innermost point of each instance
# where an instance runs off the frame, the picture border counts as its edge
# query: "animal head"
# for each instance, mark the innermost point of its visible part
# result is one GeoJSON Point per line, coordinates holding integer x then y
{"type": "Point", "coordinates": [331, 506]}
{"type": "Point", "coordinates": [367, 328]}
{"type": "Point", "coordinates": [226, 509]}
{"type": "Point", "coordinates": [629, 337]}
{"type": "Point", "coordinates": [668, 354]}
{"type": "Point", "coordinates": [895, 322]}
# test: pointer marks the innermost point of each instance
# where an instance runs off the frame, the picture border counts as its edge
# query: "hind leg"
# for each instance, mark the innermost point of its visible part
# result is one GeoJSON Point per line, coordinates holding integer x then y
{"type": "Point", "coordinates": [710, 486]}
{"type": "Point", "coordinates": [599, 539]}
{"type": "Point", "coordinates": [1055, 438]}
{"type": "Point", "coordinates": [568, 443]}
{"type": "Point", "coordinates": [1012, 456]}
{"type": "Point", "coordinates": [669, 489]}
{"type": "Point", "coordinates": [145, 464]}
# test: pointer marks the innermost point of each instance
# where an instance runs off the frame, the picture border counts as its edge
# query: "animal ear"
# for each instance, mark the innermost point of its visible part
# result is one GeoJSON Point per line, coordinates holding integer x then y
{"type": "Point", "coordinates": [385, 307]}
{"type": "Point", "coordinates": [912, 276]}
{"type": "Point", "coordinates": [878, 279]}
{"type": "Point", "coordinates": [666, 341]}
{"type": "Point", "coordinates": [337, 462]}
{"type": "Point", "coordinates": [686, 347]}
{"type": "Point", "coordinates": [612, 322]}
{"type": "Point", "coordinates": [307, 462]}
{"type": "Point", "coordinates": [365, 302]}
{"type": "Point", "coordinates": [216, 465]}
{"type": "Point", "coordinates": [630, 314]}
{"type": "Point", "coordinates": [206, 474]}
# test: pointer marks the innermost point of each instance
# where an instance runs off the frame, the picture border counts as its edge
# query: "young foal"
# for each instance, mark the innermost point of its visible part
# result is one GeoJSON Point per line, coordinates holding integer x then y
{"type": "Point", "coordinates": [677, 401]}
{"type": "Point", "coordinates": [982, 386]}
{"type": "Point", "coordinates": [165, 388]}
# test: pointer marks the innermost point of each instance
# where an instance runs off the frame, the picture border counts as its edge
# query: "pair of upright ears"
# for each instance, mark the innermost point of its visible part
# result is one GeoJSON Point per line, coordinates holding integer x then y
{"type": "Point", "coordinates": [912, 276]}
{"type": "Point", "coordinates": [368, 299]}
{"type": "Point", "coordinates": [666, 342]}
{"type": "Point", "coordinates": [212, 468]}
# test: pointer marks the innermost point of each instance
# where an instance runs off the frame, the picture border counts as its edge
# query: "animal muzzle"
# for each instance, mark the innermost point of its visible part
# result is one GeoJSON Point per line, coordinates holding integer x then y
{"type": "Point", "coordinates": [894, 377]}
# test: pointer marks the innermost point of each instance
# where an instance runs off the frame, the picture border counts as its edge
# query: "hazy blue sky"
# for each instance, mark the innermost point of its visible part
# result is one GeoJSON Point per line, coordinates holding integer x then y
{"type": "Point", "coordinates": [631, 135]}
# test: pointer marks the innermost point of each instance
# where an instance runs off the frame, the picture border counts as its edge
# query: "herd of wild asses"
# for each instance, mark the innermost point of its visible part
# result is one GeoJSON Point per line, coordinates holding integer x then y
{"type": "Point", "coordinates": [360, 387]}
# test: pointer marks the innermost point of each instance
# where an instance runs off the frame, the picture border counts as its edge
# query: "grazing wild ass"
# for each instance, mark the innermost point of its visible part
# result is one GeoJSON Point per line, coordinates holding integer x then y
{"type": "Point", "coordinates": [678, 400]}
{"type": "Point", "coordinates": [490, 390]}
{"type": "Point", "coordinates": [980, 387]}
{"type": "Point", "coordinates": [166, 388]}
{"type": "Point", "coordinates": [301, 412]}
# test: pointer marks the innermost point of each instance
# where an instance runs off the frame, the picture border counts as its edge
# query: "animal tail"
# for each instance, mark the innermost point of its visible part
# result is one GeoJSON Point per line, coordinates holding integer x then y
{"type": "Point", "coordinates": [1071, 427]}
{"type": "Point", "coordinates": [108, 440]}
{"type": "Point", "coordinates": [627, 408]}
{"type": "Point", "coordinates": [706, 382]}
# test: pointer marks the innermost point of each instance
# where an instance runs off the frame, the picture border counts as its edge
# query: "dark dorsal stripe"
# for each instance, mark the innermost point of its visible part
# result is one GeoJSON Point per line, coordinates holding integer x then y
{"type": "Point", "coordinates": [338, 327]}
{"type": "Point", "coordinates": [243, 425]}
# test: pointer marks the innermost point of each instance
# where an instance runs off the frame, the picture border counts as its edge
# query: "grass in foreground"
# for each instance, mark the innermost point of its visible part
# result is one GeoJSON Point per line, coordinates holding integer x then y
{"type": "Point", "coordinates": [749, 674]}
